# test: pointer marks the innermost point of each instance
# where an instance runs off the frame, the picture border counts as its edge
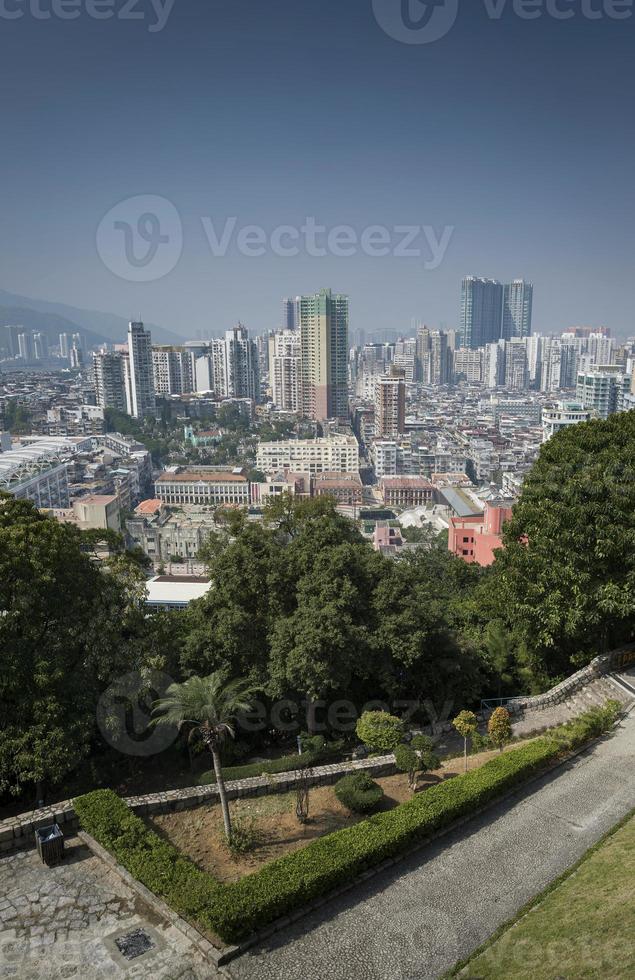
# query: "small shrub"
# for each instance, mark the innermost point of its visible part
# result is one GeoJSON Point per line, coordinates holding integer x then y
{"type": "Point", "coordinates": [379, 731]}
{"type": "Point", "coordinates": [480, 743]}
{"type": "Point", "coordinates": [407, 760]}
{"type": "Point", "coordinates": [312, 744]}
{"type": "Point", "coordinates": [422, 743]}
{"type": "Point", "coordinates": [499, 727]}
{"type": "Point", "coordinates": [245, 837]}
{"type": "Point", "coordinates": [359, 792]}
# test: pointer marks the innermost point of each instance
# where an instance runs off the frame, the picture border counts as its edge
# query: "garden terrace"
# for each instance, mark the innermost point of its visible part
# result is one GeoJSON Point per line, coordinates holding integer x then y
{"type": "Point", "coordinates": [234, 911]}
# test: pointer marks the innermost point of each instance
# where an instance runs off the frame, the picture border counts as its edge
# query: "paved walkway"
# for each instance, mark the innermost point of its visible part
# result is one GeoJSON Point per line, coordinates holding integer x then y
{"type": "Point", "coordinates": [416, 920]}
{"type": "Point", "coordinates": [61, 923]}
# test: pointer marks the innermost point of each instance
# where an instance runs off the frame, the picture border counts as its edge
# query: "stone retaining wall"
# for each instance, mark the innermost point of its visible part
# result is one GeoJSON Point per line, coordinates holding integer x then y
{"type": "Point", "coordinates": [562, 692]}
{"type": "Point", "coordinates": [19, 832]}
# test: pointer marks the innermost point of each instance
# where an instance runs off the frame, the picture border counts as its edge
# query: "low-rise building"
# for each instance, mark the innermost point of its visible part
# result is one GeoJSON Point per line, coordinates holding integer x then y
{"type": "Point", "coordinates": [175, 591]}
{"type": "Point", "coordinates": [474, 538]}
{"type": "Point", "coordinates": [561, 416]}
{"type": "Point", "coordinates": [346, 488]}
{"type": "Point", "coordinates": [406, 491]}
{"type": "Point", "coordinates": [206, 485]}
{"type": "Point", "coordinates": [165, 534]}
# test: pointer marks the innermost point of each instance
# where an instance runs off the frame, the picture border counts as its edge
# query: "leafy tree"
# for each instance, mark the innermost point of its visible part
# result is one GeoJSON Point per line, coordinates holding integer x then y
{"type": "Point", "coordinates": [210, 705]}
{"type": "Point", "coordinates": [407, 760]}
{"type": "Point", "coordinates": [424, 747]}
{"type": "Point", "coordinates": [324, 645]}
{"type": "Point", "coordinates": [564, 584]}
{"type": "Point", "coordinates": [418, 608]}
{"type": "Point", "coordinates": [499, 727]}
{"type": "Point", "coordinates": [379, 731]}
{"type": "Point", "coordinates": [66, 629]}
{"type": "Point", "coordinates": [17, 417]}
{"type": "Point", "coordinates": [229, 627]}
{"type": "Point", "coordinates": [418, 757]}
{"type": "Point", "coordinates": [497, 646]}
{"type": "Point", "coordinates": [466, 724]}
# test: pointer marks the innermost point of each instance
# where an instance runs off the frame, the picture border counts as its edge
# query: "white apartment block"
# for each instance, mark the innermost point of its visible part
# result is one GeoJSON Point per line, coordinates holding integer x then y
{"type": "Point", "coordinates": [603, 390]}
{"type": "Point", "coordinates": [468, 364]}
{"type": "Point", "coordinates": [174, 370]}
{"type": "Point", "coordinates": [285, 369]}
{"type": "Point", "coordinates": [202, 485]}
{"type": "Point", "coordinates": [561, 416]}
{"type": "Point", "coordinates": [229, 366]}
{"type": "Point", "coordinates": [337, 454]}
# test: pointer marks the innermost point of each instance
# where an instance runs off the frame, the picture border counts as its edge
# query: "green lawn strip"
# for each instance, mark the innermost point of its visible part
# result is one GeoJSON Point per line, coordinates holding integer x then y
{"type": "Point", "coordinates": [578, 928]}
{"type": "Point", "coordinates": [233, 911]}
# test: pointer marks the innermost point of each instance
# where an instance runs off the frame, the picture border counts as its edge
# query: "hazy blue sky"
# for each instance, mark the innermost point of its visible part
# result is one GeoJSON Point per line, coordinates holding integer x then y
{"type": "Point", "coordinates": [517, 133]}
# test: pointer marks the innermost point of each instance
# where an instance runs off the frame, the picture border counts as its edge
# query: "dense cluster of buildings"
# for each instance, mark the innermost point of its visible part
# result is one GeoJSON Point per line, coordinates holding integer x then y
{"type": "Point", "coordinates": [21, 347]}
{"type": "Point", "coordinates": [437, 429]}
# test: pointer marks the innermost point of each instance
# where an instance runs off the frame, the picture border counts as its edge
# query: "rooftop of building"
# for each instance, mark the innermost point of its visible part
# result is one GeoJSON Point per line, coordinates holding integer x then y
{"type": "Point", "coordinates": [336, 437]}
{"type": "Point", "coordinates": [406, 482]}
{"type": "Point", "coordinates": [149, 506]}
{"type": "Point", "coordinates": [335, 479]}
{"type": "Point", "coordinates": [175, 590]}
{"type": "Point", "coordinates": [201, 475]}
{"type": "Point", "coordinates": [98, 499]}
{"type": "Point", "coordinates": [460, 502]}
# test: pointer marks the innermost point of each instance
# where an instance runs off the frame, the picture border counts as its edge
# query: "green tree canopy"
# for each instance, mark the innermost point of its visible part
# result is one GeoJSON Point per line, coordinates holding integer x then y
{"type": "Point", "coordinates": [564, 585]}
{"type": "Point", "coordinates": [64, 631]}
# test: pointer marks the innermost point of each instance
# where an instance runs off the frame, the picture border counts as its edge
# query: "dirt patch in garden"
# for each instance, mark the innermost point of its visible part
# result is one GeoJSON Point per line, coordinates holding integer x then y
{"type": "Point", "coordinates": [199, 833]}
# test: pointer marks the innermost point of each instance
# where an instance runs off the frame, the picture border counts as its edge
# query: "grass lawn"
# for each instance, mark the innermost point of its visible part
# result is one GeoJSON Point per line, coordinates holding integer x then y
{"type": "Point", "coordinates": [581, 930]}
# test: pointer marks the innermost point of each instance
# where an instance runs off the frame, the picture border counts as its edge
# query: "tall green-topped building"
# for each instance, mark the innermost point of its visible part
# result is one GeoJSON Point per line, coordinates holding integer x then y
{"type": "Point", "coordinates": [324, 355]}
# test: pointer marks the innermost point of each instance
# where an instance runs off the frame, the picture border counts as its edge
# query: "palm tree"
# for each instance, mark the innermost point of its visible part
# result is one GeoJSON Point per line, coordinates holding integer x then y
{"type": "Point", "coordinates": [210, 705]}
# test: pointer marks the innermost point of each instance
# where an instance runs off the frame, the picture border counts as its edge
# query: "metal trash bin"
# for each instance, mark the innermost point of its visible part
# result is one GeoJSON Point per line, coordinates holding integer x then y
{"type": "Point", "coordinates": [50, 844]}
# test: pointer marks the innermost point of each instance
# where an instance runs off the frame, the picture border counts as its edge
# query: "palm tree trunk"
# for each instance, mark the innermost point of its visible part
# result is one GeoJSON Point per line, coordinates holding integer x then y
{"type": "Point", "coordinates": [221, 791]}
{"type": "Point", "coordinates": [465, 752]}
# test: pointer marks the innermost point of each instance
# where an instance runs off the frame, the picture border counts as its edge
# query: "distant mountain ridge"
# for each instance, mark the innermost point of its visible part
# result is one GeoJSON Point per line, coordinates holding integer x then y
{"type": "Point", "coordinates": [54, 318]}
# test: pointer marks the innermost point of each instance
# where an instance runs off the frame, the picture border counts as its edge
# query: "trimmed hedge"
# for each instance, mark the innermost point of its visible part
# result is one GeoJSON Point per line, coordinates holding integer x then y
{"type": "Point", "coordinates": [286, 763]}
{"type": "Point", "coordinates": [359, 792]}
{"type": "Point", "coordinates": [235, 910]}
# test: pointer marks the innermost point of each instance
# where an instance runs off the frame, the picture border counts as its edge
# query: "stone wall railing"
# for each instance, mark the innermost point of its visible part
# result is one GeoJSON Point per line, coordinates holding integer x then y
{"type": "Point", "coordinates": [562, 692]}
{"type": "Point", "coordinates": [18, 832]}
